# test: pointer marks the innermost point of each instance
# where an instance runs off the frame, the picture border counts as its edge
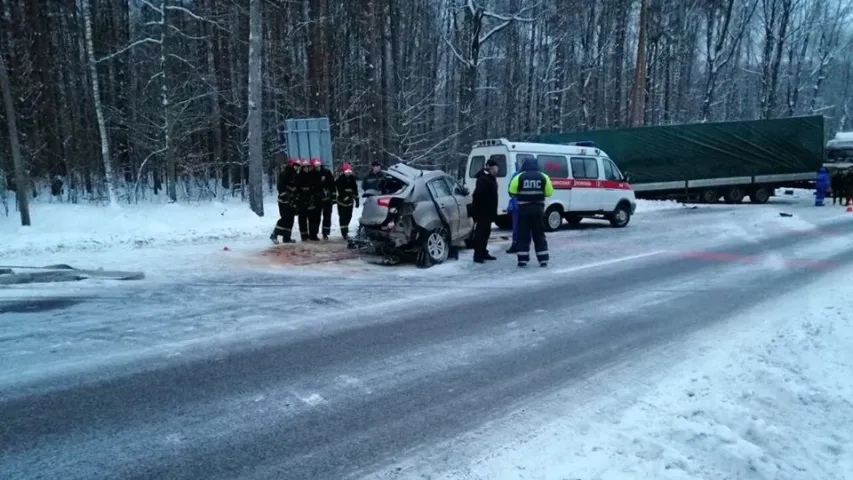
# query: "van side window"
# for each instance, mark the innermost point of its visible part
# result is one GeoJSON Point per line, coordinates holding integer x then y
{"type": "Point", "coordinates": [584, 168]}
{"type": "Point", "coordinates": [555, 166]}
{"type": "Point", "coordinates": [501, 159]}
{"type": "Point", "coordinates": [520, 158]}
{"type": "Point", "coordinates": [610, 170]}
{"type": "Point", "coordinates": [477, 164]}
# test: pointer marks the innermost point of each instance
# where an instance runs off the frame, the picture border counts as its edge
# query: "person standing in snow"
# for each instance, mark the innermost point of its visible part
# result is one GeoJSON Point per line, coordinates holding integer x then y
{"type": "Point", "coordinates": [512, 209]}
{"type": "Point", "coordinates": [373, 180]}
{"type": "Point", "coordinates": [304, 198]}
{"type": "Point", "coordinates": [327, 195]}
{"type": "Point", "coordinates": [821, 185]}
{"type": "Point", "coordinates": [347, 189]}
{"type": "Point", "coordinates": [313, 193]}
{"type": "Point", "coordinates": [531, 188]}
{"type": "Point", "coordinates": [847, 186]}
{"type": "Point", "coordinates": [484, 208]}
{"type": "Point", "coordinates": [286, 186]}
{"type": "Point", "coordinates": [837, 187]}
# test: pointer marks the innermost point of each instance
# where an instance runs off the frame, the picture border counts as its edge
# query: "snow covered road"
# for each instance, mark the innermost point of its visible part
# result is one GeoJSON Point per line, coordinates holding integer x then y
{"type": "Point", "coordinates": [398, 373]}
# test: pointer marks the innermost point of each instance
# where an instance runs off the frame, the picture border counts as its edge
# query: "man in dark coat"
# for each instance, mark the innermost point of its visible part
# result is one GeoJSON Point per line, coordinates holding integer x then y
{"type": "Point", "coordinates": [837, 186]}
{"type": "Point", "coordinates": [531, 188]}
{"type": "Point", "coordinates": [286, 186]}
{"type": "Point", "coordinates": [327, 195]}
{"type": "Point", "coordinates": [347, 196]}
{"type": "Point", "coordinates": [847, 186]}
{"type": "Point", "coordinates": [373, 180]}
{"type": "Point", "coordinates": [484, 210]}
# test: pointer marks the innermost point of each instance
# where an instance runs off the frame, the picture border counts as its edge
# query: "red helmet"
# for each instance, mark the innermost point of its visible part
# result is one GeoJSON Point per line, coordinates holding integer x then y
{"type": "Point", "coordinates": [316, 162]}
{"type": "Point", "coordinates": [292, 161]}
{"type": "Point", "coordinates": [304, 162]}
{"type": "Point", "coordinates": [346, 167]}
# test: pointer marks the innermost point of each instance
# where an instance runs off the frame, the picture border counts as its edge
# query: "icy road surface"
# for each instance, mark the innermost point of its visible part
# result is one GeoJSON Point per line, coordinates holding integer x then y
{"type": "Point", "coordinates": [218, 368]}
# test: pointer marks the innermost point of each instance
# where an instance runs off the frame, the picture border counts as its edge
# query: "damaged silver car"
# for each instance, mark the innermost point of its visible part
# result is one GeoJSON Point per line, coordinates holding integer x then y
{"type": "Point", "coordinates": [418, 215]}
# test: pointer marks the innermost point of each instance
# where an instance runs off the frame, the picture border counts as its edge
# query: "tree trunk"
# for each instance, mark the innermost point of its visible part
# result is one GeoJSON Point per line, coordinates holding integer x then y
{"type": "Point", "coordinates": [109, 179]}
{"type": "Point", "coordinates": [21, 181]}
{"type": "Point", "coordinates": [255, 119]}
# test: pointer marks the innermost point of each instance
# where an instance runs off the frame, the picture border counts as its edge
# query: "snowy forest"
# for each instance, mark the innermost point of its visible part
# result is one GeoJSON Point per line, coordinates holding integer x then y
{"type": "Point", "coordinates": [121, 100]}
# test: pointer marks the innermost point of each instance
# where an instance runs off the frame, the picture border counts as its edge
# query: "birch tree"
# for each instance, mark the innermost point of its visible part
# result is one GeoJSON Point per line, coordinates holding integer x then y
{"type": "Point", "coordinates": [109, 178]}
{"type": "Point", "coordinates": [256, 145]}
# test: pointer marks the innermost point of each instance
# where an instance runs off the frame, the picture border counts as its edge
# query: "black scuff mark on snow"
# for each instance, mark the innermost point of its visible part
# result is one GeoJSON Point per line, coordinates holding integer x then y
{"type": "Point", "coordinates": [38, 305]}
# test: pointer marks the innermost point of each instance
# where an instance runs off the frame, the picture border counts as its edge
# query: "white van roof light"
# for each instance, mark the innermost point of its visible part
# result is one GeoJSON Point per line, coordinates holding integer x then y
{"type": "Point", "coordinates": [492, 142]}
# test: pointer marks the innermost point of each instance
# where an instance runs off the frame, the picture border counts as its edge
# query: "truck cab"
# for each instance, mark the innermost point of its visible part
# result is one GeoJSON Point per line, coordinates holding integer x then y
{"type": "Point", "coordinates": [587, 183]}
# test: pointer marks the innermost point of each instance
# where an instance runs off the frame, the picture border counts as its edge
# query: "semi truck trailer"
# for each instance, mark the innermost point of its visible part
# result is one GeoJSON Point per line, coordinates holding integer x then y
{"type": "Point", "coordinates": [705, 162]}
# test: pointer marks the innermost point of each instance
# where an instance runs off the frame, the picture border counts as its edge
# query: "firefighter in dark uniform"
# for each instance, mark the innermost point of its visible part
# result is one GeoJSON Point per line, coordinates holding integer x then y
{"type": "Point", "coordinates": [286, 187]}
{"type": "Point", "coordinates": [304, 198]}
{"type": "Point", "coordinates": [347, 189]}
{"type": "Point", "coordinates": [531, 188]}
{"type": "Point", "coordinates": [327, 195]}
{"type": "Point", "coordinates": [315, 199]}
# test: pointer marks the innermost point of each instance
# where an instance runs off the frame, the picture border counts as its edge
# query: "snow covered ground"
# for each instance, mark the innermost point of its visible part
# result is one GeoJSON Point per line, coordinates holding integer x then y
{"type": "Point", "coordinates": [764, 395]}
{"type": "Point", "coordinates": [60, 227]}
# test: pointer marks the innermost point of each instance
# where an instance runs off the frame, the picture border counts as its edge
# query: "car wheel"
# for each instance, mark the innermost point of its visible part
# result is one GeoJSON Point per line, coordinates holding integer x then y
{"type": "Point", "coordinates": [553, 218]}
{"type": "Point", "coordinates": [620, 217]}
{"type": "Point", "coordinates": [573, 220]}
{"type": "Point", "coordinates": [436, 246]}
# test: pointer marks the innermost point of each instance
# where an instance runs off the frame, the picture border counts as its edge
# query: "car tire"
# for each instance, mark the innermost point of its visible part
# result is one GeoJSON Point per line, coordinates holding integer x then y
{"type": "Point", "coordinates": [573, 220]}
{"type": "Point", "coordinates": [620, 217]}
{"type": "Point", "coordinates": [504, 222]}
{"type": "Point", "coordinates": [436, 247]}
{"type": "Point", "coordinates": [553, 218]}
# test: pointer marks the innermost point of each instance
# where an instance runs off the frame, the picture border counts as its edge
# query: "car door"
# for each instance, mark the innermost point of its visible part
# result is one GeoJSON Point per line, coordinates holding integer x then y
{"type": "Point", "coordinates": [463, 204]}
{"type": "Point", "coordinates": [446, 203]}
{"type": "Point", "coordinates": [586, 185]}
{"type": "Point", "coordinates": [612, 184]}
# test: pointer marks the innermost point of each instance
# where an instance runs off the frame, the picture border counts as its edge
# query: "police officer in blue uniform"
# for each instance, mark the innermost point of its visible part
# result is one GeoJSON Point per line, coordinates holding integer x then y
{"type": "Point", "coordinates": [531, 188]}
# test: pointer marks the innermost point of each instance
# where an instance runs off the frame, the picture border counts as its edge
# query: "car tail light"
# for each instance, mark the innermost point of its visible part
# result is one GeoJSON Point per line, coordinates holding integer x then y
{"type": "Point", "coordinates": [383, 201]}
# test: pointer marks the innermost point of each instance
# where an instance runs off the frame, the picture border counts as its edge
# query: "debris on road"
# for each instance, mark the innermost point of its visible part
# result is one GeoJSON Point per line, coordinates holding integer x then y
{"type": "Point", "coordinates": [19, 275]}
{"type": "Point", "coordinates": [307, 253]}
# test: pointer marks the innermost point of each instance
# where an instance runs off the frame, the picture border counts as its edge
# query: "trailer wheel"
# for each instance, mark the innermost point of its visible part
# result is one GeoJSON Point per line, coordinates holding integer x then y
{"type": "Point", "coordinates": [759, 195]}
{"type": "Point", "coordinates": [734, 195]}
{"type": "Point", "coordinates": [709, 195]}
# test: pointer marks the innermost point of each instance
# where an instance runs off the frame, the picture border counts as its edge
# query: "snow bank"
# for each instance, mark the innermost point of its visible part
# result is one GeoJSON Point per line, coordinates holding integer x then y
{"type": "Point", "coordinates": [654, 205]}
{"type": "Point", "coordinates": [62, 227]}
{"type": "Point", "coordinates": [765, 396]}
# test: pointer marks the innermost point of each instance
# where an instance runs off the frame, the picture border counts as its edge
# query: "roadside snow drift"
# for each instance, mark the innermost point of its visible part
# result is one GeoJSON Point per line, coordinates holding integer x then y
{"type": "Point", "coordinates": [61, 227]}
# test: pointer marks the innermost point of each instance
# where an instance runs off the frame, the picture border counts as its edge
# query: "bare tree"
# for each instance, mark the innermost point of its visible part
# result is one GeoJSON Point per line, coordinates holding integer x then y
{"type": "Point", "coordinates": [256, 139]}
{"type": "Point", "coordinates": [109, 178]}
{"type": "Point", "coordinates": [22, 181]}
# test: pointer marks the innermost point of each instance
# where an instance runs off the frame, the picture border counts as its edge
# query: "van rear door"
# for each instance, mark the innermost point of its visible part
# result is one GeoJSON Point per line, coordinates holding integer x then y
{"type": "Point", "coordinates": [477, 161]}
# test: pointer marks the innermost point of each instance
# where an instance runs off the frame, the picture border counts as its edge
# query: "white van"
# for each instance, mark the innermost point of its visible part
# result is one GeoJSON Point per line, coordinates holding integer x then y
{"type": "Point", "coordinates": [586, 182]}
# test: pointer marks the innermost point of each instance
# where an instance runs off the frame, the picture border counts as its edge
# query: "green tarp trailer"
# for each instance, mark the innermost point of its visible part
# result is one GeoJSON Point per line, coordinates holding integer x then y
{"type": "Point", "coordinates": [709, 160]}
